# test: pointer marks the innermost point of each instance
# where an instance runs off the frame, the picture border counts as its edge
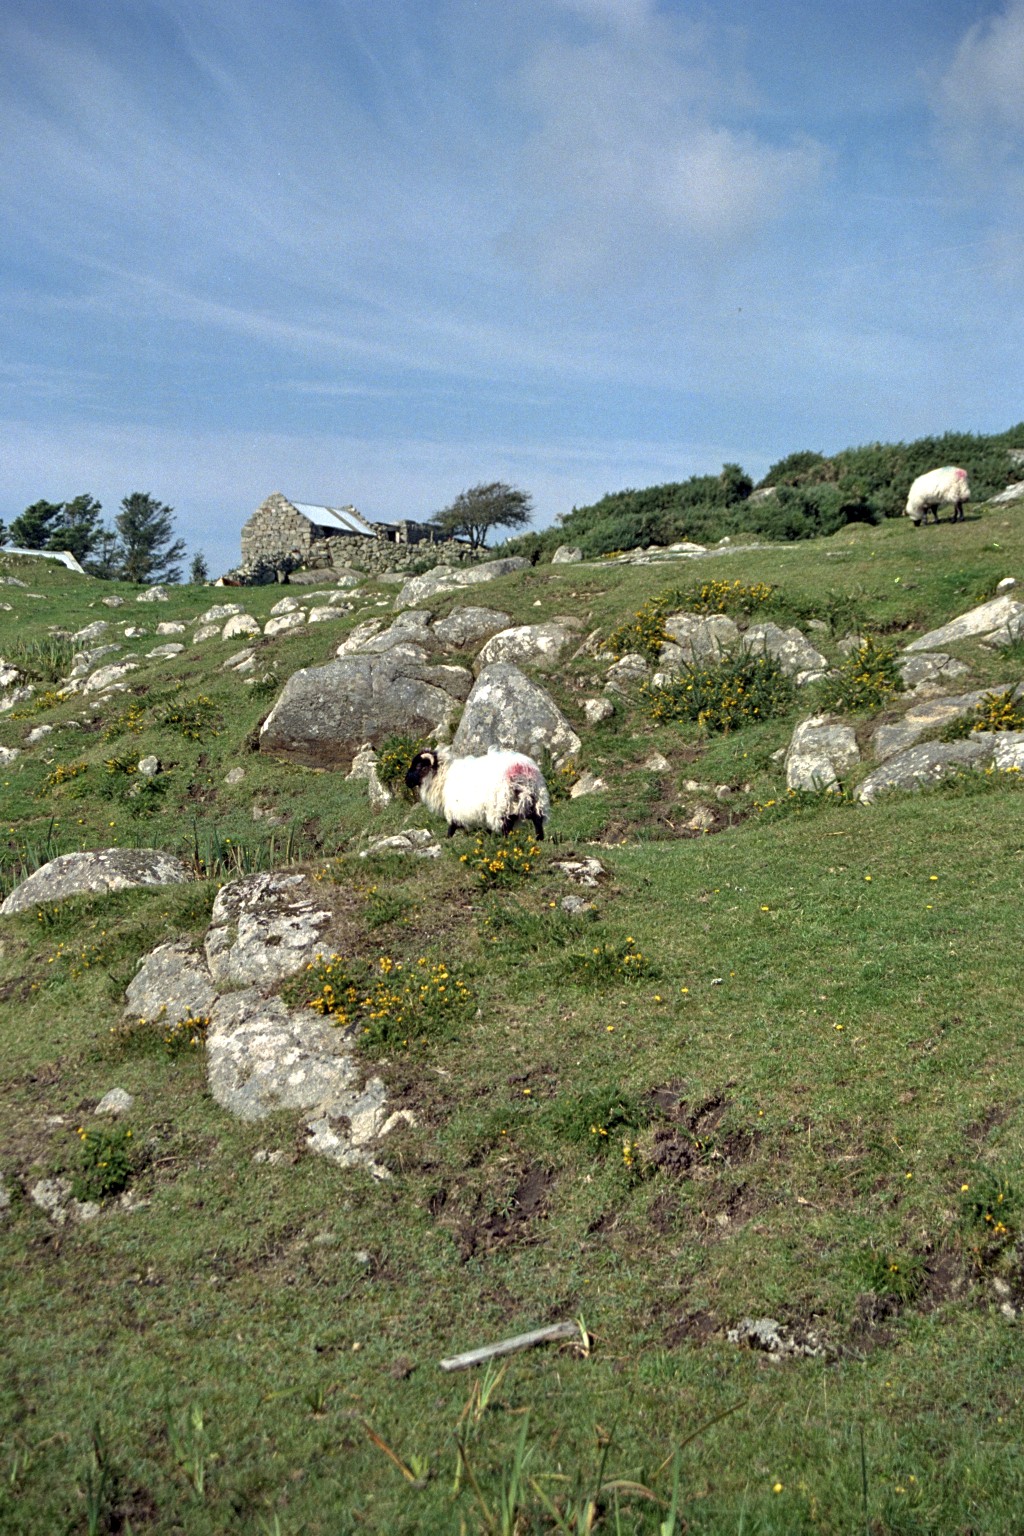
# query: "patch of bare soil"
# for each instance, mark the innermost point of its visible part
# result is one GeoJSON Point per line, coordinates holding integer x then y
{"type": "Point", "coordinates": [494, 1219]}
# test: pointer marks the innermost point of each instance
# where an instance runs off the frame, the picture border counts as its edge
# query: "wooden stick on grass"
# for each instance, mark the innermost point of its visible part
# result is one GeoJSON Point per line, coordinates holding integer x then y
{"type": "Point", "coordinates": [508, 1346]}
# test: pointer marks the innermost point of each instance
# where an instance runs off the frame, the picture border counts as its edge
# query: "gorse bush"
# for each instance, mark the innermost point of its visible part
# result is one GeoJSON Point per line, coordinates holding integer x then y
{"type": "Point", "coordinates": [722, 698]}
{"type": "Point", "coordinates": [393, 759]}
{"type": "Point", "coordinates": [719, 597]}
{"type": "Point", "coordinates": [501, 861]}
{"type": "Point", "coordinates": [644, 634]}
{"type": "Point", "coordinates": [106, 1163]}
{"type": "Point", "coordinates": [868, 679]}
{"type": "Point", "coordinates": [388, 1003]}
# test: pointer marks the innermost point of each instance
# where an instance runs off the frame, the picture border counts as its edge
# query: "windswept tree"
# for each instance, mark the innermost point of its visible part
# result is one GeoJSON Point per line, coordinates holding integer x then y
{"type": "Point", "coordinates": [78, 529]}
{"type": "Point", "coordinates": [475, 512]}
{"type": "Point", "coordinates": [198, 571]}
{"type": "Point", "coordinates": [33, 528]}
{"type": "Point", "coordinates": [146, 552]}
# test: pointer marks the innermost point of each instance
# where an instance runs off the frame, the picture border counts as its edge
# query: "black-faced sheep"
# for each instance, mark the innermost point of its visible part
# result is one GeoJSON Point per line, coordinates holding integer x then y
{"type": "Point", "coordinates": [494, 791]}
{"type": "Point", "coordinates": [929, 492]}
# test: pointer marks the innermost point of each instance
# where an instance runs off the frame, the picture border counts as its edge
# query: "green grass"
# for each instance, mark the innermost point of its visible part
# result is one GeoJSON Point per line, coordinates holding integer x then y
{"type": "Point", "coordinates": [820, 1051]}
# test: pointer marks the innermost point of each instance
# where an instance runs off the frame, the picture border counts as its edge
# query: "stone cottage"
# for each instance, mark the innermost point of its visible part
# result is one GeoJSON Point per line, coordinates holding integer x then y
{"type": "Point", "coordinates": [310, 535]}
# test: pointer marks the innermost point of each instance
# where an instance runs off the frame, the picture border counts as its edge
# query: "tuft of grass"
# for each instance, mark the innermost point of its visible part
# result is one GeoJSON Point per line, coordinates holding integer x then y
{"type": "Point", "coordinates": [106, 1162]}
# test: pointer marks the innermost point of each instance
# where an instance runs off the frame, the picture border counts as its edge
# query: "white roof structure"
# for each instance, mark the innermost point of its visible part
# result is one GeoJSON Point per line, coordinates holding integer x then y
{"type": "Point", "coordinates": [344, 519]}
{"type": "Point", "coordinates": [64, 556]}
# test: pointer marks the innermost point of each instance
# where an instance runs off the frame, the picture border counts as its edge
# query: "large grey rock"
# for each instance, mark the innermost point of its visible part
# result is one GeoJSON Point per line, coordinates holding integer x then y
{"type": "Point", "coordinates": [262, 1058]}
{"type": "Point", "coordinates": [326, 713]}
{"type": "Point", "coordinates": [925, 764]}
{"type": "Point", "coordinates": [507, 709]}
{"type": "Point", "coordinates": [285, 605]}
{"type": "Point", "coordinates": [930, 672]}
{"type": "Point", "coordinates": [239, 624]}
{"type": "Point", "coordinates": [116, 1102]}
{"type": "Point", "coordinates": [1008, 751]}
{"type": "Point", "coordinates": [465, 626]}
{"type": "Point", "coordinates": [929, 715]}
{"type": "Point", "coordinates": [165, 652]}
{"type": "Point", "coordinates": [629, 671]}
{"type": "Point", "coordinates": [263, 928]}
{"type": "Point", "coordinates": [529, 643]}
{"type": "Point", "coordinates": [567, 554]}
{"type": "Point", "coordinates": [1000, 614]}
{"type": "Point", "coordinates": [698, 639]}
{"type": "Point", "coordinates": [1012, 492]}
{"type": "Point", "coordinates": [793, 651]}
{"type": "Point", "coordinates": [284, 622]}
{"type": "Point", "coordinates": [104, 870]}
{"type": "Point", "coordinates": [157, 594]}
{"type": "Point", "coordinates": [10, 676]}
{"type": "Point", "coordinates": [447, 578]}
{"type": "Point", "coordinates": [369, 639]}
{"type": "Point", "coordinates": [170, 627]}
{"type": "Point", "coordinates": [219, 612]}
{"type": "Point", "coordinates": [820, 754]}
{"type": "Point", "coordinates": [357, 641]}
{"type": "Point", "coordinates": [172, 983]}
{"type": "Point", "coordinates": [91, 631]}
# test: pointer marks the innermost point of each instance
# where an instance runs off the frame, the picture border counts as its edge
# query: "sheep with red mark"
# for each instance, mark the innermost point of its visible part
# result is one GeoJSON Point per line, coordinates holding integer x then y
{"type": "Point", "coordinates": [494, 791]}
{"type": "Point", "coordinates": [931, 491]}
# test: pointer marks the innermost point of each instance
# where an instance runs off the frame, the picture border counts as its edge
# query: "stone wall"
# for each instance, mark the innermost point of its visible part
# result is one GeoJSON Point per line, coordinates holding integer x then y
{"type": "Point", "coordinates": [278, 537]}
{"type": "Point", "coordinates": [275, 529]}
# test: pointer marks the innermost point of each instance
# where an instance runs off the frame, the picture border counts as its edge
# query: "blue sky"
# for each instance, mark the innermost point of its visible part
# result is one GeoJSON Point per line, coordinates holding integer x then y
{"type": "Point", "coordinates": [376, 251]}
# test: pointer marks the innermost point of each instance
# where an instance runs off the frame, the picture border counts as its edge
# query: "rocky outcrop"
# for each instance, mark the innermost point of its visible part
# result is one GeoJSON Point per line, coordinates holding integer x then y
{"type": "Point", "coordinates": [465, 626]}
{"type": "Point", "coordinates": [448, 579]}
{"type": "Point", "coordinates": [326, 713]}
{"type": "Point", "coordinates": [534, 644]}
{"type": "Point", "coordinates": [508, 709]}
{"type": "Point", "coordinates": [926, 764]}
{"type": "Point", "coordinates": [172, 983]}
{"type": "Point", "coordinates": [698, 639]}
{"type": "Point", "coordinates": [999, 621]}
{"type": "Point", "coordinates": [929, 715]}
{"type": "Point", "coordinates": [102, 871]}
{"type": "Point", "coordinates": [930, 672]}
{"type": "Point", "coordinates": [820, 754]}
{"type": "Point", "coordinates": [263, 928]}
{"type": "Point", "coordinates": [792, 650]}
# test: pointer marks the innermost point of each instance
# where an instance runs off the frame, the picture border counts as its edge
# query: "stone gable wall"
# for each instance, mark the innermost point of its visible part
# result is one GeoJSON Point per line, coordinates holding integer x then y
{"type": "Point", "coordinates": [275, 532]}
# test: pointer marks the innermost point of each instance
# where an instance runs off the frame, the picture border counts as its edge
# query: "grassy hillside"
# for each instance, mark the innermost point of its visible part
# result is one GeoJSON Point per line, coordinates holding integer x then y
{"type": "Point", "coordinates": [777, 1073]}
{"type": "Point", "coordinates": [811, 495]}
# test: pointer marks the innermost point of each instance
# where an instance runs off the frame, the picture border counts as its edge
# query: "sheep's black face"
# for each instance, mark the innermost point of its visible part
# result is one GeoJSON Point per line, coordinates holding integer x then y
{"type": "Point", "coordinates": [422, 765]}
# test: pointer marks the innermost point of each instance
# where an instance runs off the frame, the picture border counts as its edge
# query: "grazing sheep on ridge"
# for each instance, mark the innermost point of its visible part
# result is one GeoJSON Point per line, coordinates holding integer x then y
{"type": "Point", "coordinates": [930, 491]}
{"type": "Point", "coordinates": [494, 791]}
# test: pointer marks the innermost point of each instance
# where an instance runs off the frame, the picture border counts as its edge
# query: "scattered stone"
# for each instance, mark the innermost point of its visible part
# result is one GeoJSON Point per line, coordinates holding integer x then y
{"type": "Point", "coordinates": [149, 766]}
{"type": "Point", "coordinates": [103, 870]}
{"type": "Point", "coordinates": [1008, 750]}
{"type": "Point", "coordinates": [419, 841]}
{"type": "Point", "coordinates": [1012, 492]}
{"type": "Point", "coordinates": [165, 652]}
{"type": "Point", "coordinates": [577, 906]}
{"type": "Point", "coordinates": [92, 631]}
{"type": "Point", "coordinates": [446, 578]}
{"type": "Point", "coordinates": [135, 632]}
{"type": "Point", "coordinates": [286, 605]}
{"type": "Point", "coordinates": [54, 1197]}
{"type": "Point", "coordinates": [219, 612]}
{"type": "Point", "coordinates": [702, 820]}
{"type": "Point", "coordinates": [322, 615]}
{"type": "Point", "coordinates": [364, 763]}
{"type": "Point", "coordinates": [567, 554]}
{"type": "Point", "coordinates": [930, 672]}
{"type": "Point", "coordinates": [1002, 615]}
{"type": "Point", "coordinates": [581, 871]}
{"type": "Point", "coordinates": [777, 1340]}
{"type": "Point", "coordinates": [1006, 585]}
{"type": "Point", "coordinates": [117, 1102]}
{"type": "Point", "coordinates": [110, 678]}
{"type": "Point", "coordinates": [8, 754]}
{"type": "Point", "coordinates": [39, 733]}
{"type": "Point", "coordinates": [170, 627]}
{"type": "Point", "coordinates": [170, 984]}
{"type": "Point", "coordinates": [205, 632]}
{"type": "Point", "coordinates": [698, 639]}
{"type": "Point", "coordinates": [285, 622]}
{"type": "Point", "coordinates": [597, 710]}
{"type": "Point", "coordinates": [157, 594]}
{"type": "Point", "coordinates": [820, 754]}
{"type": "Point", "coordinates": [234, 776]}
{"type": "Point", "coordinates": [239, 624]}
{"type": "Point", "coordinates": [628, 671]}
{"type": "Point", "coordinates": [507, 709]}
{"type": "Point", "coordinates": [587, 784]}
{"type": "Point", "coordinates": [264, 927]}
{"type": "Point", "coordinates": [110, 602]}
{"type": "Point", "coordinates": [240, 660]}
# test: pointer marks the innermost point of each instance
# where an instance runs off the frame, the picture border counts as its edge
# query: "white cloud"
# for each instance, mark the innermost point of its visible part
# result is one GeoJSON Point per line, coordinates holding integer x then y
{"type": "Point", "coordinates": [981, 98]}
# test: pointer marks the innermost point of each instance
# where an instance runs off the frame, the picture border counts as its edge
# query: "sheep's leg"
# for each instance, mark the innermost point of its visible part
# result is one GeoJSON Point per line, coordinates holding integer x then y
{"type": "Point", "coordinates": [453, 827]}
{"type": "Point", "coordinates": [507, 823]}
{"type": "Point", "coordinates": [538, 826]}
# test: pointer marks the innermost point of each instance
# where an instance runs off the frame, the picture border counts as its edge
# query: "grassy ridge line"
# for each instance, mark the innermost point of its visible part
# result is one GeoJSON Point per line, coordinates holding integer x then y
{"type": "Point", "coordinates": [222, 1293]}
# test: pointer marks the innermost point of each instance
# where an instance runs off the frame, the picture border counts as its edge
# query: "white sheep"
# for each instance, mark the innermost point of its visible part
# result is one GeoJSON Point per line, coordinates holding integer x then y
{"type": "Point", "coordinates": [494, 791]}
{"type": "Point", "coordinates": [929, 492]}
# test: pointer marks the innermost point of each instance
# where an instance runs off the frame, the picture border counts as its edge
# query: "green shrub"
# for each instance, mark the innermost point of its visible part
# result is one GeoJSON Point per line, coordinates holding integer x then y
{"type": "Point", "coordinates": [868, 679]}
{"type": "Point", "coordinates": [393, 759]}
{"type": "Point", "coordinates": [723, 698]}
{"type": "Point", "coordinates": [106, 1163]}
{"type": "Point", "coordinates": [501, 861]}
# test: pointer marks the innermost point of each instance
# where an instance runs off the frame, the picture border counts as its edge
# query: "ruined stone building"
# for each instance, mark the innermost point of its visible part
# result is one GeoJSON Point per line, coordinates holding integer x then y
{"type": "Point", "coordinates": [280, 529]}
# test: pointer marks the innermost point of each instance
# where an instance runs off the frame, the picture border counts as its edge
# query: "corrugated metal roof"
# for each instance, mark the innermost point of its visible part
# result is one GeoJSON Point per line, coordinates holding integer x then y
{"type": "Point", "coordinates": [346, 519]}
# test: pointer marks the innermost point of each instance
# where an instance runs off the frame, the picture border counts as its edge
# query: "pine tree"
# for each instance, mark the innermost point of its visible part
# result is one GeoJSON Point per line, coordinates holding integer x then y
{"type": "Point", "coordinates": [199, 571]}
{"type": "Point", "coordinates": [146, 552]}
{"type": "Point", "coordinates": [78, 527]}
{"type": "Point", "coordinates": [32, 529]}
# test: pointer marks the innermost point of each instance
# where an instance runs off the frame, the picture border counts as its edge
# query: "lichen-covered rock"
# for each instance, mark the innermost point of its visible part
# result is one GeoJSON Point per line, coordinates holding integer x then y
{"type": "Point", "coordinates": [929, 715]}
{"type": "Point", "coordinates": [698, 639]}
{"type": "Point", "coordinates": [446, 578]}
{"type": "Point", "coordinates": [567, 554]}
{"type": "Point", "coordinates": [419, 841]}
{"type": "Point", "coordinates": [103, 870]}
{"type": "Point", "coordinates": [527, 643]}
{"type": "Point", "coordinates": [930, 672]}
{"type": "Point", "coordinates": [926, 763]}
{"type": "Point", "coordinates": [597, 710]}
{"type": "Point", "coordinates": [239, 624]}
{"type": "Point", "coordinates": [794, 653]}
{"type": "Point", "coordinates": [370, 639]}
{"type": "Point", "coordinates": [172, 983]}
{"type": "Point", "coordinates": [465, 626]}
{"type": "Point", "coordinates": [1001, 614]}
{"type": "Point", "coordinates": [326, 713]}
{"type": "Point", "coordinates": [157, 594]}
{"type": "Point", "coordinates": [165, 652]}
{"type": "Point", "coordinates": [263, 928]}
{"type": "Point", "coordinates": [283, 623]}
{"type": "Point", "coordinates": [507, 709]}
{"type": "Point", "coordinates": [261, 1057]}
{"type": "Point", "coordinates": [111, 677]}
{"type": "Point", "coordinates": [820, 754]}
